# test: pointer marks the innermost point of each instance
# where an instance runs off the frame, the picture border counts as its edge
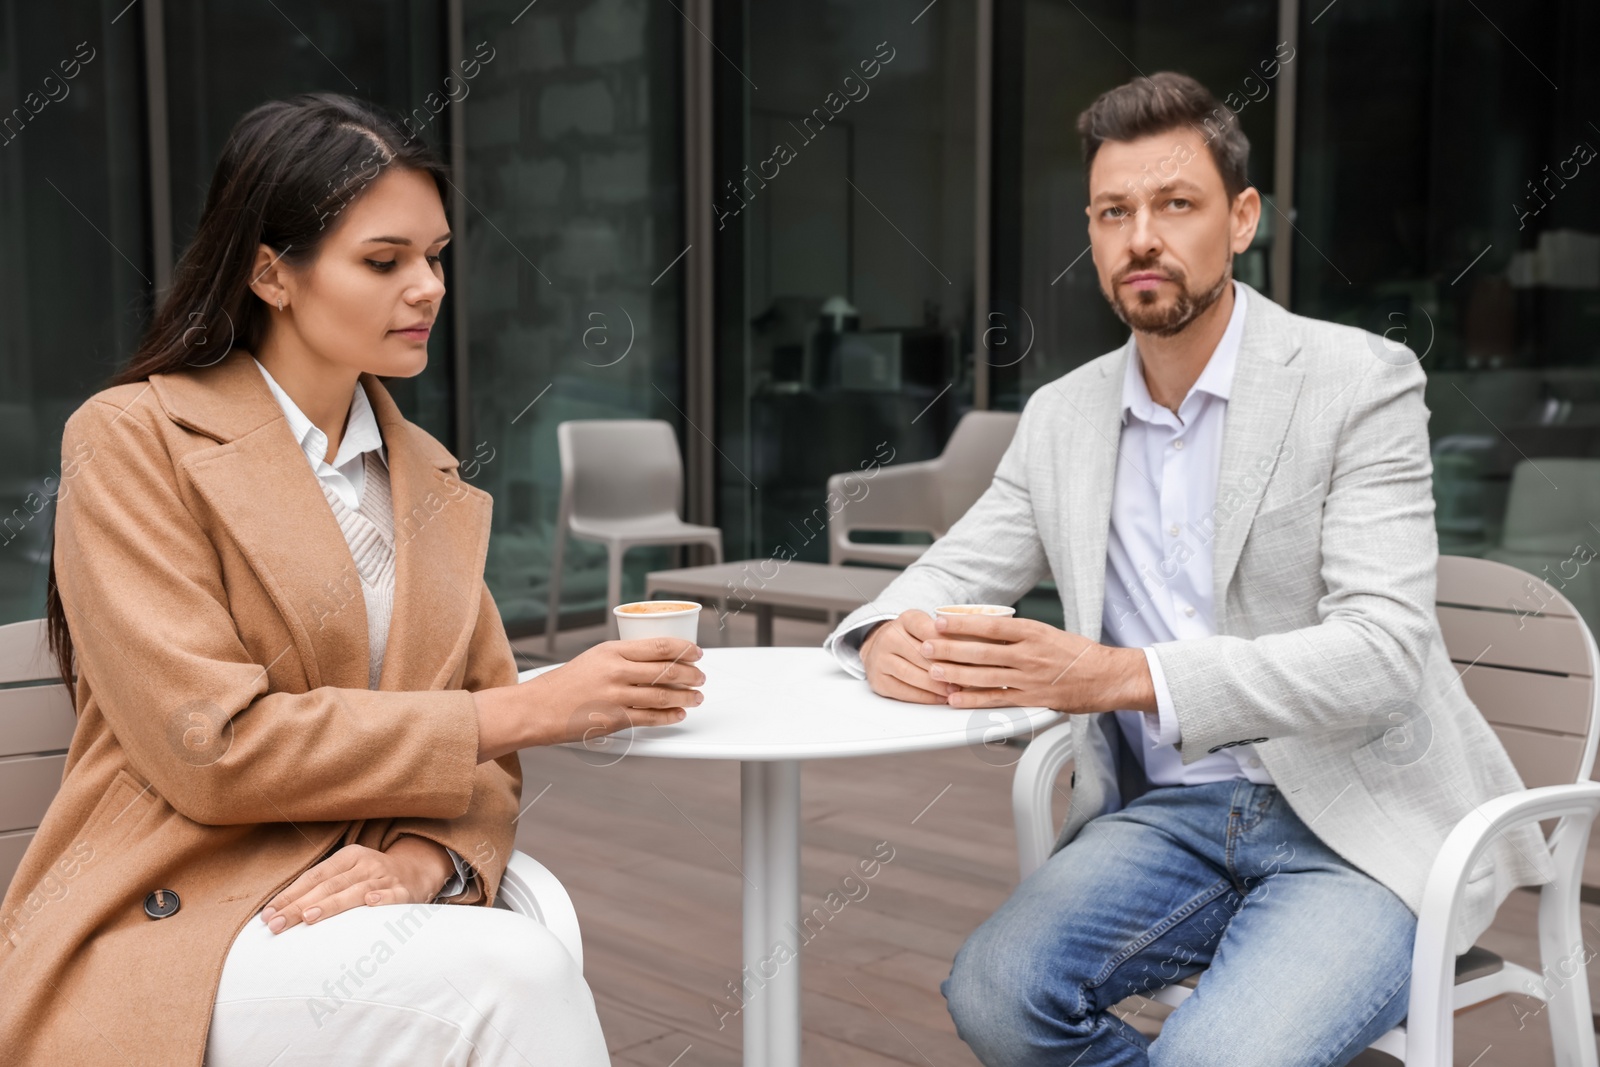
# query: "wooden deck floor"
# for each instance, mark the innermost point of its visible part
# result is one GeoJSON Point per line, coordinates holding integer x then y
{"type": "Point", "coordinates": [648, 849]}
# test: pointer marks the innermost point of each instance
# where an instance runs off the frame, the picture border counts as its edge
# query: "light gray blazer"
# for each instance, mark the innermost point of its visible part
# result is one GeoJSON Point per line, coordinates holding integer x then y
{"type": "Point", "coordinates": [1324, 555]}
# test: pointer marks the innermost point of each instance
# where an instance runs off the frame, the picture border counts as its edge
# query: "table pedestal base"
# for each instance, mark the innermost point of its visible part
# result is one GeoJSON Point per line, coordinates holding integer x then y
{"type": "Point", "coordinates": [770, 806]}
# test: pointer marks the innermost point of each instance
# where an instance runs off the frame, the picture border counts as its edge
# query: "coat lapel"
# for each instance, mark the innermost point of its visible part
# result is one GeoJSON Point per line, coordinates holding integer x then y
{"type": "Point", "coordinates": [265, 496]}
{"type": "Point", "coordinates": [441, 540]}
{"type": "Point", "coordinates": [1089, 455]}
{"type": "Point", "coordinates": [1260, 405]}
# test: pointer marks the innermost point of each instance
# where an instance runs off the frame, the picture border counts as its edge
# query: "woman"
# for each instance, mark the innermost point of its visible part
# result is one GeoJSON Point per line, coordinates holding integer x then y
{"type": "Point", "coordinates": [297, 705]}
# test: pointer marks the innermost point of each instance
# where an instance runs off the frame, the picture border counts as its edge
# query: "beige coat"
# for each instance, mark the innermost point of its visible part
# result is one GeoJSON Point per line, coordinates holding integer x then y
{"type": "Point", "coordinates": [226, 737]}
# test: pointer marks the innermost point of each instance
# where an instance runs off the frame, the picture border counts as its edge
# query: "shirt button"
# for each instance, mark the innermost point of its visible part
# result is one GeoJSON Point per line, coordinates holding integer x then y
{"type": "Point", "coordinates": [1173, 529]}
{"type": "Point", "coordinates": [1189, 611]}
{"type": "Point", "coordinates": [1178, 444]}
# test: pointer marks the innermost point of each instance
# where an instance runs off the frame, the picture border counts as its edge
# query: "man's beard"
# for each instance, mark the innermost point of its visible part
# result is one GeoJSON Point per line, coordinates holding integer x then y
{"type": "Point", "coordinates": [1144, 315]}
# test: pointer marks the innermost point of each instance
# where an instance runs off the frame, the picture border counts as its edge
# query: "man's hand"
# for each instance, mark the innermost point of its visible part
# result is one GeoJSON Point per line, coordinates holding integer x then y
{"type": "Point", "coordinates": [895, 664]}
{"type": "Point", "coordinates": [413, 870]}
{"type": "Point", "coordinates": [1033, 664]}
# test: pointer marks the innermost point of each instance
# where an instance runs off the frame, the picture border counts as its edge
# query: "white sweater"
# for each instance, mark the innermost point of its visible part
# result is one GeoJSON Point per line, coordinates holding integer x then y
{"type": "Point", "coordinates": [369, 530]}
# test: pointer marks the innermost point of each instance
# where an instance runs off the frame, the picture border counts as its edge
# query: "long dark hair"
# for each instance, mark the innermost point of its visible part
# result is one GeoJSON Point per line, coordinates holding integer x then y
{"type": "Point", "coordinates": [287, 171]}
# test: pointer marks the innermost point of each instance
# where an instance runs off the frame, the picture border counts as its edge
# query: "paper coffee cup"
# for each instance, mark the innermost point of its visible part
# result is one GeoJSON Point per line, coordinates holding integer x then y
{"type": "Point", "coordinates": [975, 609]}
{"type": "Point", "coordinates": [967, 610]}
{"type": "Point", "coordinates": [658, 618]}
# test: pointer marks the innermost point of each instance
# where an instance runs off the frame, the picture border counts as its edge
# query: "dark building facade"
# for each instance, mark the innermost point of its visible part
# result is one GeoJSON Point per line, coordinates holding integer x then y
{"type": "Point", "coordinates": [806, 232]}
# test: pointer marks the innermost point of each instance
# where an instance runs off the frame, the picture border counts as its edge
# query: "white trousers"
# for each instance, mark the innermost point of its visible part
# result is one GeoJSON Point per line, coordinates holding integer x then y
{"type": "Point", "coordinates": [436, 984]}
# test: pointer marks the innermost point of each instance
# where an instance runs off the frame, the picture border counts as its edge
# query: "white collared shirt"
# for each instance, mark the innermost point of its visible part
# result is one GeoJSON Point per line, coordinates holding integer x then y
{"type": "Point", "coordinates": [1159, 549]}
{"type": "Point", "coordinates": [346, 474]}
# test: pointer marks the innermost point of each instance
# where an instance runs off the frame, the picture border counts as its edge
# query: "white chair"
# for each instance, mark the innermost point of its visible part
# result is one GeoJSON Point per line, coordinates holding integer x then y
{"type": "Point", "coordinates": [1533, 678]}
{"type": "Point", "coordinates": [528, 888]}
{"type": "Point", "coordinates": [36, 724]}
{"type": "Point", "coordinates": [621, 485]}
{"type": "Point", "coordinates": [925, 496]}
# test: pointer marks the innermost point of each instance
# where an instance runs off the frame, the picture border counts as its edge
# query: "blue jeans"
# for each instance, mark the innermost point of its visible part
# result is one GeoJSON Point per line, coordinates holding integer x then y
{"type": "Point", "coordinates": [1307, 960]}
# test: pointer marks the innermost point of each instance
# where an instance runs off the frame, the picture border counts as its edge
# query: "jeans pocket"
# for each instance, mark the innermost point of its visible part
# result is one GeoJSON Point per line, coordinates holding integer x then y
{"type": "Point", "coordinates": [1261, 805]}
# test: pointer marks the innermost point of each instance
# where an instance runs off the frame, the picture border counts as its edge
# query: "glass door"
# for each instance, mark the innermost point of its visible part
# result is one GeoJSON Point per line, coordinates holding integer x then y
{"type": "Point", "coordinates": [844, 220]}
{"type": "Point", "coordinates": [1070, 52]}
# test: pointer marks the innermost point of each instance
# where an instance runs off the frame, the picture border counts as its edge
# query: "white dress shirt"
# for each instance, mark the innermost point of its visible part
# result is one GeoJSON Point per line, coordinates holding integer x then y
{"type": "Point", "coordinates": [347, 477]}
{"type": "Point", "coordinates": [1159, 549]}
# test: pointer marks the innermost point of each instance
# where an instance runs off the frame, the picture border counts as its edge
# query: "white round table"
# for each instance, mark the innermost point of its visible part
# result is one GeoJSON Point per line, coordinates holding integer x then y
{"type": "Point", "coordinates": [769, 708]}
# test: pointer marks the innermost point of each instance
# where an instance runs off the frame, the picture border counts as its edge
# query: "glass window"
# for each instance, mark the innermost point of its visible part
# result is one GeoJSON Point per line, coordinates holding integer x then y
{"type": "Point", "coordinates": [844, 218]}
{"type": "Point", "coordinates": [574, 149]}
{"type": "Point", "coordinates": [1072, 51]}
{"type": "Point", "coordinates": [75, 270]}
{"type": "Point", "coordinates": [224, 57]}
{"type": "Point", "coordinates": [1449, 193]}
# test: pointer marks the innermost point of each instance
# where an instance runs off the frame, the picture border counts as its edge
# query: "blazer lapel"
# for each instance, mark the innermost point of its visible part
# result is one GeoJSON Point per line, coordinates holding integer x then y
{"type": "Point", "coordinates": [264, 494]}
{"type": "Point", "coordinates": [1260, 405]}
{"type": "Point", "coordinates": [1088, 455]}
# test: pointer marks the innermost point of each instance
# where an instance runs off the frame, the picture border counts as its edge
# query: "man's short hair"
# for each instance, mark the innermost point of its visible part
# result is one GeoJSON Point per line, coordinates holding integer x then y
{"type": "Point", "coordinates": [1162, 102]}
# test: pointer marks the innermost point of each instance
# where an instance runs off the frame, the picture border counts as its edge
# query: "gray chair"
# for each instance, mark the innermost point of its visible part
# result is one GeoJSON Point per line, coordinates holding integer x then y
{"type": "Point", "coordinates": [621, 485]}
{"type": "Point", "coordinates": [37, 720]}
{"type": "Point", "coordinates": [1532, 675]}
{"type": "Point", "coordinates": [926, 496]}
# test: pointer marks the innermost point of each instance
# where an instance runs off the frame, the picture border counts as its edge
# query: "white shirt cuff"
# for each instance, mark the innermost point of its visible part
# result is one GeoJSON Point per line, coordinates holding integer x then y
{"type": "Point", "coordinates": [1164, 720]}
{"type": "Point", "coordinates": [459, 881]}
{"type": "Point", "coordinates": [846, 646]}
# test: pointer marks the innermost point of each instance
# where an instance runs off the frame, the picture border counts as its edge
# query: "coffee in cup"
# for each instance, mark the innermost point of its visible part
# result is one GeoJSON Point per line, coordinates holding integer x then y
{"type": "Point", "coordinates": [658, 618]}
{"type": "Point", "coordinates": [993, 610]}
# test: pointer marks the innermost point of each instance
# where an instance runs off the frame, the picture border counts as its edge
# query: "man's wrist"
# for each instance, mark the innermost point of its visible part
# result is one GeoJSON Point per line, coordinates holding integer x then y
{"type": "Point", "coordinates": [867, 639]}
{"type": "Point", "coordinates": [1128, 684]}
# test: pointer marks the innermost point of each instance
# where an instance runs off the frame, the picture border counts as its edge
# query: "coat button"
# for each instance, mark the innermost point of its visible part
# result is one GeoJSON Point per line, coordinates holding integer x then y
{"type": "Point", "coordinates": [162, 903]}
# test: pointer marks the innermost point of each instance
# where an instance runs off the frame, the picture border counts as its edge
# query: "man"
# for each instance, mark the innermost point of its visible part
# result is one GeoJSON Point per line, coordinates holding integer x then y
{"type": "Point", "coordinates": [1236, 507]}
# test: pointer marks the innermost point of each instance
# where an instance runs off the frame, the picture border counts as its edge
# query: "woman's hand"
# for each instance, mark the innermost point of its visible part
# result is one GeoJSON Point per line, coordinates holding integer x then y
{"type": "Point", "coordinates": [610, 687]}
{"type": "Point", "coordinates": [413, 870]}
{"type": "Point", "coordinates": [615, 685]}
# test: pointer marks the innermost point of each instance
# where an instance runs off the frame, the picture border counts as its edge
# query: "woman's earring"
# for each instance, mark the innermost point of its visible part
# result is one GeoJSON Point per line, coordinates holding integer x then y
{"type": "Point", "coordinates": [280, 303]}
